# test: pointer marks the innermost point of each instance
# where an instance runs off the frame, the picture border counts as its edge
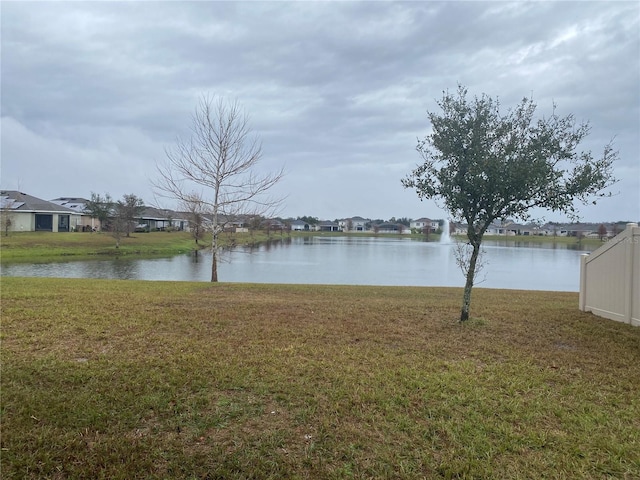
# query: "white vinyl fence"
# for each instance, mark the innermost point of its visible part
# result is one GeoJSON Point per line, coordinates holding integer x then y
{"type": "Point", "coordinates": [610, 278]}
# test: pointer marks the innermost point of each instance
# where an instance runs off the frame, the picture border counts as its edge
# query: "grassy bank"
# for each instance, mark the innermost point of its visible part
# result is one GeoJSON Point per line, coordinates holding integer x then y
{"type": "Point", "coordinates": [47, 246]}
{"type": "Point", "coordinates": [583, 243]}
{"type": "Point", "coordinates": [123, 379]}
{"type": "Point", "coordinates": [41, 246]}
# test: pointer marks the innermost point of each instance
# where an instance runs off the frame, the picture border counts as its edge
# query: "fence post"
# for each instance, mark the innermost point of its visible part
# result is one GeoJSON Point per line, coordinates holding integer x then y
{"type": "Point", "coordinates": [629, 252]}
{"type": "Point", "coordinates": [582, 299]}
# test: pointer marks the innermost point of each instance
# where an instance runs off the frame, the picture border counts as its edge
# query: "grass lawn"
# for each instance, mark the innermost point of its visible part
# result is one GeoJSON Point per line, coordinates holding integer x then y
{"type": "Point", "coordinates": [47, 246]}
{"type": "Point", "coordinates": [130, 379]}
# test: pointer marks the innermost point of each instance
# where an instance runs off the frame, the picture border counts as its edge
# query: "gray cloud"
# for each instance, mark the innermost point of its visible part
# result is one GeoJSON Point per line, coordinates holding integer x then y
{"type": "Point", "coordinates": [338, 91]}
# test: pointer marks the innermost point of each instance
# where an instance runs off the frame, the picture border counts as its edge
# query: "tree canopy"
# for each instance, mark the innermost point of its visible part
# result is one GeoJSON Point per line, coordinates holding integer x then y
{"type": "Point", "coordinates": [482, 165]}
{"type": "Point", "coordinates": [127, 211]}
{"type": "Point", "coordinates": [101, 208]}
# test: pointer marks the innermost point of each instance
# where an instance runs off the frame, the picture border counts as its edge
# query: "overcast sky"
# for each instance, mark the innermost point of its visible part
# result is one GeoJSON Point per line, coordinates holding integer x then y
{"type": "Point", "coordinates": [338, 92]}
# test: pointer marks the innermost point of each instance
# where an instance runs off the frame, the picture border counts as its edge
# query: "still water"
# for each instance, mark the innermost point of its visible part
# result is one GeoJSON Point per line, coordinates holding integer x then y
{"type": "Point", "coordinates": [343, 260]}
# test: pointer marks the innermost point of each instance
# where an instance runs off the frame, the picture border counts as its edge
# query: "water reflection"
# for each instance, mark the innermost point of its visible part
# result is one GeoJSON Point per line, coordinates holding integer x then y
{"type": "Point", "coordinates": [341, 260]}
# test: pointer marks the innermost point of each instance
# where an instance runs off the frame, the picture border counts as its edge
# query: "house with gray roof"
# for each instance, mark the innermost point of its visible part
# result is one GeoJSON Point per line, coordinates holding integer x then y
{"type": "Point", "coordinates": [26, 213]}
{"type": "Point", "coordinates": [389, 227]}
{"type": "Point", "coordinates": [328, 226]}
{"type": "Point", "coordinates": [354, 224]}
{"type": "Point", "coordinates": [301, 226]}
{"type": "Point", "coordinates": [422, 223]}
{"type": "Point", "coordinates": [79, 204]}
{"type": "Point", "coordinates": [152, 219]}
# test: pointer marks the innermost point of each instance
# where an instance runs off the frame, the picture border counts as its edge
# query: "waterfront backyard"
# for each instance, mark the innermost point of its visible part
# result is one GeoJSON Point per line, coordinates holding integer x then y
{"type": "Point", "coordinates": [136, 379]}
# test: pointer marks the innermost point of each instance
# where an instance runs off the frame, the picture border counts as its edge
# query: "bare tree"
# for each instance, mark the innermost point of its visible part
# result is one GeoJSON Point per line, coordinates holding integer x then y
{"type": "Point", "coordinates": [221, 158]}
{"type": "Point", "coordinates": [117, 224]}
{"type": "Point", "coordinates": [602, 231]}
{"type": "Point", "coordinates": [7, 222]}
{"type": "Point", "coordinates": [349, 224]}
{"type": "Point", "coordinates": [254, 224]}
{"type": "Point", "coordinates": [6, 215]}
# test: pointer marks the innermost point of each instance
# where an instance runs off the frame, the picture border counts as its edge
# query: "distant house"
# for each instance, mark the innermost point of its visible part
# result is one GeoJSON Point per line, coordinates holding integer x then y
{"type": "Point", "coordinates": [162, 219]}
{"type": "Point", "coordinates": [577, 229]}
{"type": "Point", "coordinates": [229, 223]}
{"type": "Point", "coordinates": [593, 230]}
{"type": "Point", "coordinates": [328, 226]}
{"type": "Point", "coordinates": [422, 223]}
{"type": "Point", "coordinates": [301, 226]}
{"type": "Point", "coordinates": [240, 223]}
{"type": "Point", "coordinates": [495, 229]}
{"type": "Point", "coordinates": [530, 229]}
{"type": "Point", "coordinates": [554, 229]}
{"type": "Point", "coordinates": [273, 224]}
{"type": "Point", "coordinates": [458, 228]}
{"type": "Point", "coordinates": [388, 227]}
{"type": "Point", "coordinates": [354, 224]}
{"type": "Point", "coordinates": [78, 204]}
{"type": "Point", "coordinates": [26, 213]}
{"type": "Point", "coordinates": [511, 229]}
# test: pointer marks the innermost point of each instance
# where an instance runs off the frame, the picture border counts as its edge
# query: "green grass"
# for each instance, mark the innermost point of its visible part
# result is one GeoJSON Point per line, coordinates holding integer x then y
{"type": "Point", "coordinates": [127, 379]}
{"type": "Point", "coordinates": [47, 246]}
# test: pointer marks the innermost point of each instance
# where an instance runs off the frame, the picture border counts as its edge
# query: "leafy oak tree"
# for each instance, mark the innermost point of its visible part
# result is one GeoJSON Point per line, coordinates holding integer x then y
{"type": "Point", "coordinates": [220, 162]}
{"type": "Point", "coordinates": [482, 164]}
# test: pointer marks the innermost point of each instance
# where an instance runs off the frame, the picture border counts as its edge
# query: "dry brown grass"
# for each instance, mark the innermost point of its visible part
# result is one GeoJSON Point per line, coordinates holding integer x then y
{"type": "Point", "coordinates": [121, 379]}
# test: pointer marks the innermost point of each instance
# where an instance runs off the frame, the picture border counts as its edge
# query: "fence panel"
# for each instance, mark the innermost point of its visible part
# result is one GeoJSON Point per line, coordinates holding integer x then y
{"type": "Point", "coordinates": [610, 278]}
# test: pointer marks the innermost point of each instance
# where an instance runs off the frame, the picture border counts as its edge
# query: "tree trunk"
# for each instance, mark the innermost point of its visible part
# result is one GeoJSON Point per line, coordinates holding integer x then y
{"type": "Point", "coordinates": [214, 266]}
{"type": "Point", "coordinates": [214, 250]}
{"type": "Point", "coordinates": [471, 272]}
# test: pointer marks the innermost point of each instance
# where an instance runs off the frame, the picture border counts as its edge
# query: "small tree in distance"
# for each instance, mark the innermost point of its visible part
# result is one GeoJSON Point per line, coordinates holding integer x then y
{"type": "Point", "coordinates": [193, 205]}
{"type": "Point", "coordinates": [6, 216]}
{"type": "Point", "coordinates": [221, 159]}
{"type": "Point", "coordinates": [602, 231]}
{"type": "Point", "coordinates": [349, 224]}
{"type": "Point", "coordinates": [117, 224]}
{"type": "Point", "coordinates": [485, 165]}
{"type": "Point", "coordinates": [128, 211]}
{"type": "Point", "coordinates": [100, 208]}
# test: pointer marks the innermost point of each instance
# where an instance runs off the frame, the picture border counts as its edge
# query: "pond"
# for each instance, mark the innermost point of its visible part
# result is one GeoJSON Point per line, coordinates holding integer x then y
{"type": "Point", "coordinates": [346, 260]}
